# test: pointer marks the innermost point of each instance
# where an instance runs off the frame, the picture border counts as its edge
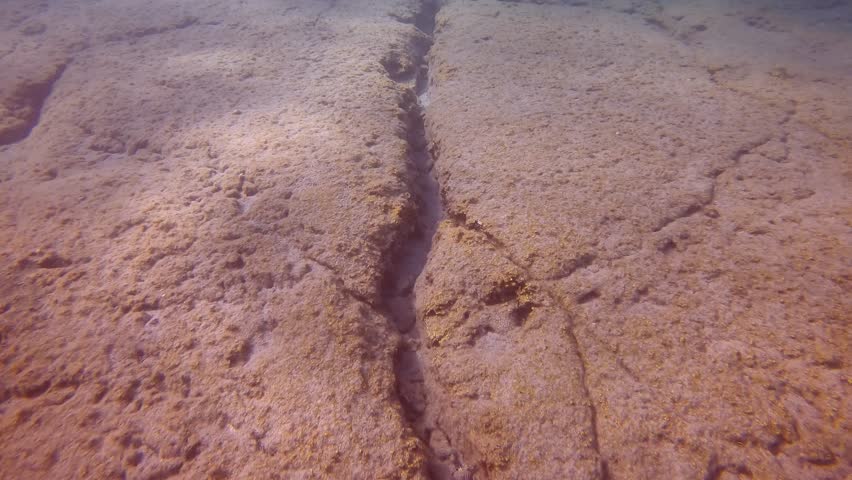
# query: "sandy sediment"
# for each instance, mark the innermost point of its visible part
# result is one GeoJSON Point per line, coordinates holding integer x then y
{"type": "Point", "coordinates": [218, 261]}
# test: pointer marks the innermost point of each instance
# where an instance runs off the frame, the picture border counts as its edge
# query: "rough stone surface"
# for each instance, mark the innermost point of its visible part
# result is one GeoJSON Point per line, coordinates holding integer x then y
{"type": "Point", "coordinates": [643, 269]}
{"type": "Point", "coordinates": [679, 206]}
{"type": "Point", "coordinates": [192, 237]}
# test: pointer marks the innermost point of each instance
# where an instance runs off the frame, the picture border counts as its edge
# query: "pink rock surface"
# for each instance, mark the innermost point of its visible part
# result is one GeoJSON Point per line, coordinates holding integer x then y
{"type": "Point", "coordinates": [214, 219]}
{"type": "Point", "coordinates": [192, 238]}
{"type": "Point", "coordinates": [684, 241]}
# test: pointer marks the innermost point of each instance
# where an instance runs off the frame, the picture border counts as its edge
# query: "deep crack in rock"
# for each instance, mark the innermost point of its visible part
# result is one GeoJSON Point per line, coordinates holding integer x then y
{"type": "Point", "coordinates": [412, 251]}
{"type": "Point", "coordinates": [571, 330]}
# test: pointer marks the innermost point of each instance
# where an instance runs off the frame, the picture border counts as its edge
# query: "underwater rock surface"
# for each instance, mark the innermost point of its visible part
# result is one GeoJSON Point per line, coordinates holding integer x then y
{"type": "Point", "coordinates": [214, 219]}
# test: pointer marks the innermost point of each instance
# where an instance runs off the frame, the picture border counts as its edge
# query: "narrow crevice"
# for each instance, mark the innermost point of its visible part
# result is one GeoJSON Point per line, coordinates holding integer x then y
{"type": "Point", "coordinates": [460, 220]}
{"type": "Point", "coordinates": [701, 205]}
{"type": "Point", "coordinates": [411, 251]}
{"type": "Point", "coordinates": [584, 381]}
{"type": "Point", "coordinates": [410, 258]}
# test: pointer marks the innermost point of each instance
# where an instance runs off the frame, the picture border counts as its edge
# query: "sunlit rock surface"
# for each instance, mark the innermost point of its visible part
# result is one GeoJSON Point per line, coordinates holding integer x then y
{"type": "Point", "coordinates": [192, 238]}
{"type": "Point", "coordinates": [671, 215]}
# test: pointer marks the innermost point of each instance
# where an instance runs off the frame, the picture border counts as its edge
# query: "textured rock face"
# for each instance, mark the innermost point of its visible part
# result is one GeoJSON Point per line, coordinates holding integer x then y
{"type": "Point", "coordinates": [664, 242]}
{"type": "Point", "coordinates": [192, 238]}
{"type": "Point", "coordinates": [213, 215]}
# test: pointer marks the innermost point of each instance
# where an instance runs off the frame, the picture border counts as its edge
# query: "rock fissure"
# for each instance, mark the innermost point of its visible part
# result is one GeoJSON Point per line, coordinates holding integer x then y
{"type": "Point", "coordinates": [411, 252]}
{"type": "Point", "coordinates": [702, 204]}
{"type": "Point", "coordinates": [460, 220]}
